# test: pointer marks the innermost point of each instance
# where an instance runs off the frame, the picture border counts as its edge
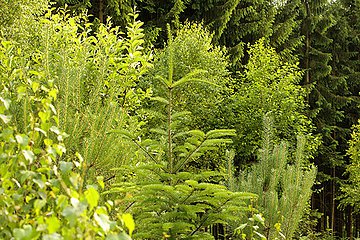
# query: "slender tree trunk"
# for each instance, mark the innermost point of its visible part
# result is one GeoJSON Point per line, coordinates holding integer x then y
{"type": "Point", "coordinates": [101, 11]}
{"type": "Point", "coordinates": [356, 229]}
{"type": "Point", "coordinates": [323, 219]}
{"type": "Point", "coordinates": [349, 224]}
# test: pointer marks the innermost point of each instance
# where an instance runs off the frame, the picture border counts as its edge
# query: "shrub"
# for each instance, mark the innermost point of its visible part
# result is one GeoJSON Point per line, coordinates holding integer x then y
{"type": "Point", "coordinates": [40, 196]}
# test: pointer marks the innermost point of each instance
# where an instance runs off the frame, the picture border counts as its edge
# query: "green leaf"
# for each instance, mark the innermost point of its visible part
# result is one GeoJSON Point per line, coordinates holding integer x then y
{"type": "Point", "coordinates": [38, 205]}
{"type": "Point", "coordinates": [23, 140]}
{"type": "Point", "coordinates": [53, 224]}
{"type": "Point", "coordinates": [40, 130]}
{"type": "Point", "coordinates": [53, 93]}
{"type": "Point", "coordinates": [5, 118]}
{"type": "Point", "coordinates": [40, 183]}
{"type": "Point", "coordinates": [48, 142]}
{"type": "Point", "coordinates": [129, 222]}
{"type": "Point", "coordinates": [6, 102]}
{"type": "Point", "coordinates": [242, 226]}
{"type": "Point", "coordinates": [29, 155]}
{"type": "Point", "coordinates": [262, 237]}
{"type": "Point", "coordinates": [100, 181]}
{"type": "Point", "coordinates": [65, 167]}
{"type": "Point", "coordinates": [92, 197]}
{"type": "Point", "coordinates": [55, 130]}
{"type": "Point", "coordinates": [35, 86]}
{"type": "Point", "coordinates": [54, 236]}
{"type": "Point", "coordinates": [259, 218]}
{"type": "Point", "coordinates": [103, 221]}
{"type": "Point", "coordinates": [25, 233]}
{"type": "Point", "coordinates": [70, 214]}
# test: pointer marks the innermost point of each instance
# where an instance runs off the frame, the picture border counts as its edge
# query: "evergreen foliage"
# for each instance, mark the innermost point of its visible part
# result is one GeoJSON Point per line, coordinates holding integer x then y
{"type": "Point", "coordinates": [286, 38]}
{"type": "Point", "coordinates": [166, 197]}
{"type": "Point", "coordinates": [40, 196]}
{"type": "Point", "coordinates": [283, 184]}
{"type": "Point", "coordinates": [330, 55]}
{"type": "Point", "coordinates": [245, 24]}
{"type": "Point", "coordinates": [96, 75]}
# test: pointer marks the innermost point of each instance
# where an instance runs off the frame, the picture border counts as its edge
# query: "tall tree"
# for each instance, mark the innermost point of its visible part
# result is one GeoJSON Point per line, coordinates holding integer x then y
{"type": "Point", "coordinates": [328, 56]}
{"type": "Point", "coordinates": [286, 37]}
{"type": "Point", "coordinates": [343, 91]}
{"type": "Point", "coordinates": [241, 22]}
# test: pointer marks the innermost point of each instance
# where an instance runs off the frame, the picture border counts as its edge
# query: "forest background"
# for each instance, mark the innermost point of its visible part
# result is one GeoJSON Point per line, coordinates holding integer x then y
{"type": "Point", "coordinates": [194, 119]}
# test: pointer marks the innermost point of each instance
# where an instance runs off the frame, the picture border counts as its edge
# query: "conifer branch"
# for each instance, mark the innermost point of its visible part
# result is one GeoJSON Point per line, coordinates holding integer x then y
{"type": "Point", "coordinates": [182, 163]}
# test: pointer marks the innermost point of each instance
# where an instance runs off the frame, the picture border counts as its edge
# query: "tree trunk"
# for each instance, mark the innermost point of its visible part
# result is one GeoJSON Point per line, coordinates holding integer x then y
{"type": "Point", "coordinates": [101, 11]}
{"type": "Point", "coordinates": [349, 224]}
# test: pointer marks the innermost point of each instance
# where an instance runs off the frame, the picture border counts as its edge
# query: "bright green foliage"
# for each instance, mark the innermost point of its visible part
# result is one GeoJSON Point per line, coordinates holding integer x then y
{"type": "Point", "coordinates": [96, 75]}
{"type": "Point", "coordinates": [283, 184]}
{"type": "Point", "coordinates": [181, 205]}
{"type": "Point", "coordinates": [167, 11]}
{"type": "Point", "coordinates": [193, 57]}
{"type": "Point", "coordinates": [269, 86]}
{"type": "Point", "coordinates": [18, 20]}
{"type": "Point", "coordinates": [40, 196]}
{"type": "Point", "coordinates": [166, 198]}
{"type": "Point", "coordinates": [351, 190]}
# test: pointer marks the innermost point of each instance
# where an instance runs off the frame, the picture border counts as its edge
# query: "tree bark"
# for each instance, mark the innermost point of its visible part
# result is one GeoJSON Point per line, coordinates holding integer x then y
{"type": "Point", "coordinates": [349, 224]}
{"type": "Point", "coordinates": [101, 11]}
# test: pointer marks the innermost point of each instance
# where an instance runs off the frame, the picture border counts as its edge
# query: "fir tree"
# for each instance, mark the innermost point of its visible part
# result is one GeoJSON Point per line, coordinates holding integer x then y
{"type": "Point", "coordinates": [167, 198]}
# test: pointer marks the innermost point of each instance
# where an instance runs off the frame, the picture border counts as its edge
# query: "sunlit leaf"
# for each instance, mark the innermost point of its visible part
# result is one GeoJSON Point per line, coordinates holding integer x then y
{"type": "Point", "coordinates": [103, 221]}
{"type": "Point", "coordinates": [129, 222]}
{"type": "Point", "coordinates": [92, 197]}
{"type": "Point", "coordinates": [53, 224]}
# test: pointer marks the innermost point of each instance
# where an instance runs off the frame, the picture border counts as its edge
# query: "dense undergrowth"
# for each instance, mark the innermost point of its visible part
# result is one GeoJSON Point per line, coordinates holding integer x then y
{"type": "Point", "coordinates": [97, 131]}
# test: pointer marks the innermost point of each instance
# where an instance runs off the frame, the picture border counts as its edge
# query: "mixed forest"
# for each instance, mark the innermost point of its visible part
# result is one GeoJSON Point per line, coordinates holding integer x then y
{"type": "Point", "coordinates": [179, 119]}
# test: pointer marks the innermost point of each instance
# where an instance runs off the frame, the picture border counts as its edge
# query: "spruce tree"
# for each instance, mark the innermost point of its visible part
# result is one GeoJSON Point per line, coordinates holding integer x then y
{"type": "Point", "coordinates": [330, 57]}
{"type": "Point", "coordinates": [342, 89]}
{"type": "Point", "coordinates": [315, 55]}
{"type": "Point", "coordinates": [286, 37]}
{"type": "Point", "coordinates": [241, 23]}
